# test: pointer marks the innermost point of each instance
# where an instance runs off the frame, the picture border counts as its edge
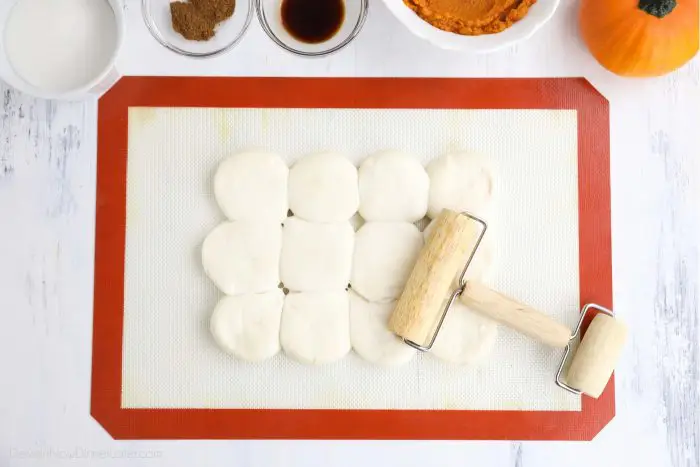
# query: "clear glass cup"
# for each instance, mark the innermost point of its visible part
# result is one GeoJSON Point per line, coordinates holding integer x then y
{"type": "Point", "coordinates": [156, 14]}
{"type": "Point", "coordinates": [270, 16]}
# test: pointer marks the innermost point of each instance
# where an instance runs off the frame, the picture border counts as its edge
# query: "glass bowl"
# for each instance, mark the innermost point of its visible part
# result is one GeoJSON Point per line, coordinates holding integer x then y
{"type": "Point", "coordinates": [270, 16]}
{"type": "Point", "coordinates": [156, 14]}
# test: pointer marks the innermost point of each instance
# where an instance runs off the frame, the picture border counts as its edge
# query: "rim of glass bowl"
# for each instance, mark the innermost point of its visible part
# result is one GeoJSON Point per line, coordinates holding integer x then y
{"type": "Point", "coordinates": [364, 9]}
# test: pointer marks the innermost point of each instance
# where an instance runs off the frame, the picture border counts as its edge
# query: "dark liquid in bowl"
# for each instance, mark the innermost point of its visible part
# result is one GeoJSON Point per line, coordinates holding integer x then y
{"type": "Point", "coordinates": [313, 21]}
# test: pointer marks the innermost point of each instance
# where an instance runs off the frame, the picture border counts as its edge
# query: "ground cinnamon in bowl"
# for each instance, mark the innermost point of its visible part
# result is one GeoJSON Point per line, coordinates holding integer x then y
{"type": "Point", "coordinates": [196, 20]}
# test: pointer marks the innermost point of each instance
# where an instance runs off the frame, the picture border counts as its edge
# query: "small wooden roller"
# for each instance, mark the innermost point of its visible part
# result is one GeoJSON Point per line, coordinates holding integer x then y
{"type": "Point", "coordinates": [421, 309]}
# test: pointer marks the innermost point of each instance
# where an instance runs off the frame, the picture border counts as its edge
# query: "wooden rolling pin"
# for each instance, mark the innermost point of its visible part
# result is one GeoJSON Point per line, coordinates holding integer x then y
{"type": "Point", "coordinates": [418, 312]}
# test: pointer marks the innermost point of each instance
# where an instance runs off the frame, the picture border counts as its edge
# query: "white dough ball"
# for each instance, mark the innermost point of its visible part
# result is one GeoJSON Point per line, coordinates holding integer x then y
{"type": "Point", "coordinates": [243, 257]}
{"type": "Point", "coordinates": [393, 187]}
{"type": "Point", "coordinates": [316, 326]}
{"type": "Point", "coordinates": [370, 335]}
{"type": "Point", "coordinates": [385, 253]}
{"type": "Point", "coordinates": [482, 263]}
{"type": "Point", "coordinates": [248, 326]}
{"type": "Point", "coordinates": [316, 257]}
{"type": "Point", "coordinates": [252, 186]}
{"type": "Point", "coordinates": [465, 336]}
{"type": "Point", "coordinates": [323, 188]}
{"type": "Point", "coordinates": [460, 182]}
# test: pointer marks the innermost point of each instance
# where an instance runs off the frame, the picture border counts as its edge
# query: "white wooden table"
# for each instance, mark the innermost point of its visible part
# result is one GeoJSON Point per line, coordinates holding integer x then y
{"type": "Point", "coordinates": [47, 205]}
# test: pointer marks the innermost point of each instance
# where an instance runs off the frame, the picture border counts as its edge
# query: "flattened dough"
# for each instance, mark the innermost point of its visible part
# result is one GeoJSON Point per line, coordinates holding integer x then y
{"type": "Point", "coordinates": [385, 253]}
{"type": "Point", "coordinates": [460, 182]}
{"type": "Point", "coordinates": [252, 186]}
{"type": "Point", "coordinates": [393, 188]}
{"type": "Point", "coordinates": [316, 326]}
{"type": "Point", "coordinates": [323, 188]}
{"type": "Point", "coordinates": [316, 257]}
{"type": "Point", "coordinates": [481, 266]}
{"type": "Point", "coordinates": [370, 336]}
{"type": "Point", "coordinates": [243, 257]}
{"type": "Point", "coordinates": [248, 326]}
{"type": "Point", "coordinates": [465, 337]}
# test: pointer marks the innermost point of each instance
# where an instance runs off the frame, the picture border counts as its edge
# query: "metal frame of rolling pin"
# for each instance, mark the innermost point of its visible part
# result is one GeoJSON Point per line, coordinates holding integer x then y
{"type": "Point", "coordinates": [567, 350]}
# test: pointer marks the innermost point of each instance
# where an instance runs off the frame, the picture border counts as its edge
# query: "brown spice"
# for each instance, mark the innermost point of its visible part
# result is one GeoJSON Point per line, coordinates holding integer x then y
{"type": "Point", "coordinates": [196, 20]}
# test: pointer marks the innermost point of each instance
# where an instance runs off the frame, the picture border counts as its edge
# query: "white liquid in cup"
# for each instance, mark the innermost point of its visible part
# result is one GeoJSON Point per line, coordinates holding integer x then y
{"type": "Point", "coordinates": [59, 46]}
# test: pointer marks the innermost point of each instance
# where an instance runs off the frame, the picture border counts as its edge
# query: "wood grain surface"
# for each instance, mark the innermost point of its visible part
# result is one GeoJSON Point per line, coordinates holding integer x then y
{"type": "Point", "coordinates": [47, 203]}
{"type": "Point", "coordinates": [419, 310]}
{"type": "Point", "coordinates": [515, 315]}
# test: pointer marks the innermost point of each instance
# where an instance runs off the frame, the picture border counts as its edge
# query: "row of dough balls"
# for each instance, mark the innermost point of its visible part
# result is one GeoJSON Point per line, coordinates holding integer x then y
{"type": "Point", "coordinates": [322, 327]}
{"type": "Point", "coordinates": [389, 186]}
{"type": "Point", "coordinates": [311, 327]}
{"type": "Point", "coordinates": [320, 321]}
{"type": "Point", "coordinates": [244, 257]}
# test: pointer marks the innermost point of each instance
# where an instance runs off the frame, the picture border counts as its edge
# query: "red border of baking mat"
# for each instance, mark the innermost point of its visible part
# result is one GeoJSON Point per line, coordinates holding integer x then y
{"type": "Point", "coordinates": [594, 247]}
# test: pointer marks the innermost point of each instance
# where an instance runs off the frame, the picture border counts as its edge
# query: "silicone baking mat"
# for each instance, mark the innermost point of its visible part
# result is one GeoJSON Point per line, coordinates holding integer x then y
{"type": "Point", "coordinates": [156, 371]}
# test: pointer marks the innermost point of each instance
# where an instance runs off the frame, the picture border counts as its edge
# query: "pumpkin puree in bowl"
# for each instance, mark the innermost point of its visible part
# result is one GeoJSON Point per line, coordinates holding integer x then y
{"type": "Point", "coordinates": [471, 17]}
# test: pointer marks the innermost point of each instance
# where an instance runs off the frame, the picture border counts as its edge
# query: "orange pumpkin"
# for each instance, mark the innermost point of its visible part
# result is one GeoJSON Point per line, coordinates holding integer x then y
{"type": "Point", "coordinates": [640, 37]}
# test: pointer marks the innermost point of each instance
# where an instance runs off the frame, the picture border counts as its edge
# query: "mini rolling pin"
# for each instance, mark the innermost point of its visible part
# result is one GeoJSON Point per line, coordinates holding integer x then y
{"type": "Point", "coordinates": [416, 317]}
{"type": "Point", "coordinates": [418, 313]}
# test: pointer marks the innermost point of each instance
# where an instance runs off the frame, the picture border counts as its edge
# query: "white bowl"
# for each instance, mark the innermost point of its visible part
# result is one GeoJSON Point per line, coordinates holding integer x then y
{"type": "Point", "coordinates": [95, 87]}
{"type": "Point", "coordinates": [538, 15]}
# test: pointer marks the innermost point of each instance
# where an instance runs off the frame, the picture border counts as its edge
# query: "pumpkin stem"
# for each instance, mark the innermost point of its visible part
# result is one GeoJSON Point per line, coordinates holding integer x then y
{"type": "Point", "coordinates": [658, 8]}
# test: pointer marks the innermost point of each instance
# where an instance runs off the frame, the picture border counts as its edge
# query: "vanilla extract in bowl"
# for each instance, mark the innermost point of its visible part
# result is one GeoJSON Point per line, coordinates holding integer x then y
{"type": "Point", "coordinates": [312, 21]}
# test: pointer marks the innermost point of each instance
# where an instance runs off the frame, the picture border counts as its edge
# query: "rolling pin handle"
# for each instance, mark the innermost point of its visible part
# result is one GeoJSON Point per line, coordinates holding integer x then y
{"type": "Point", "coordinates": [515, 315]}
